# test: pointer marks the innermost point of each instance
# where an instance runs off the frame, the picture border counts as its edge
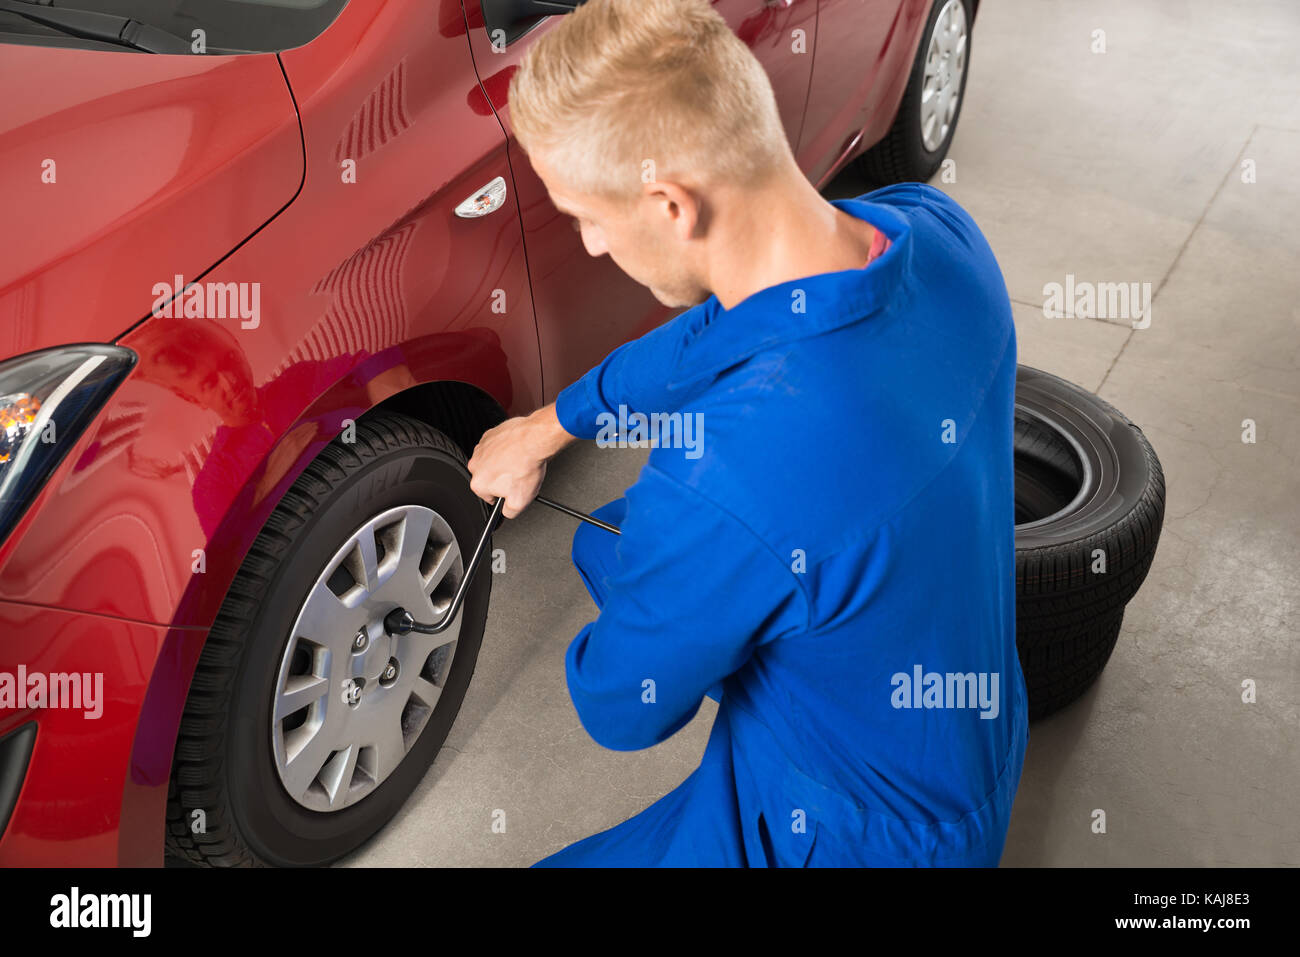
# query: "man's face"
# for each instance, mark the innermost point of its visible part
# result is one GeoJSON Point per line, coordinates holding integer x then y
{"type": "Point", "coordinates": [643, 238]}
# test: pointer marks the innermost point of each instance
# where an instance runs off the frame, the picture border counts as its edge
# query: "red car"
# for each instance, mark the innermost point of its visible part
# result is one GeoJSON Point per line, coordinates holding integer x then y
{"type": "Point", "coordinates": [267, 275]}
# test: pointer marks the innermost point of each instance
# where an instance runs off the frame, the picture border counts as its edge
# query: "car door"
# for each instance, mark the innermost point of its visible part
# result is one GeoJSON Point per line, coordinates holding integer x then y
{"type": "Point", "coordinates": [587, 306]}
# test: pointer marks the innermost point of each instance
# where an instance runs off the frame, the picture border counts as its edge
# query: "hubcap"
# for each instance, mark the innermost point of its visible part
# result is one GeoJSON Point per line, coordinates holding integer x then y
{"type": "Point", "coordinates": [350, 699]}
{"type": "Point", "coordinates": [945, 65]}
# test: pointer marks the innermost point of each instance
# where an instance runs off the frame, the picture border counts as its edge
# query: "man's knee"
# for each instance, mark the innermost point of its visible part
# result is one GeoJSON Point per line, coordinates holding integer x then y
{"type": "Point", "coordinates": [593, 548]}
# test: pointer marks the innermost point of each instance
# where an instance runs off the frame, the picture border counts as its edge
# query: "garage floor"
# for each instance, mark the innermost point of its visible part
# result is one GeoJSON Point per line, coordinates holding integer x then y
{"type": "Point", "coordinates": [1122, 166]}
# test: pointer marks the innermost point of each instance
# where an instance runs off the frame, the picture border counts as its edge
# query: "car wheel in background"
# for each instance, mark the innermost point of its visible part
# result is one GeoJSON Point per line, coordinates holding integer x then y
{"type": "Point", "coordinates": [918, 141]}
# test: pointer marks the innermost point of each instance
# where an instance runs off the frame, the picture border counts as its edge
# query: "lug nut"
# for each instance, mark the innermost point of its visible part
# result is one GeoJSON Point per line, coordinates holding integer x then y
{"type": "Point", "coordinates": [352, 691]}
{"type": "Point", "coordinates": [359, 643]}
{"type": "Point", "coordinates": [389, 674]}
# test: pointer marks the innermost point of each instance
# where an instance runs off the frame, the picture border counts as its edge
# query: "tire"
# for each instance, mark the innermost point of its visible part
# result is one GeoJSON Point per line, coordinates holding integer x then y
{"type": "Point", "coordinates": [1059, 670]}
{"type": "Point", "coordinates": [903, 156]}
{"type": "Point", "coordinates": [276, 633]}
{"type": "Point", "coordinates": [1090, 501]}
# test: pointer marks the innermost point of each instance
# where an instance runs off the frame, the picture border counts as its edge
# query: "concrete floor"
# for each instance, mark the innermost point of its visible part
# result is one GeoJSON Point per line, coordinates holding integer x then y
{"type": "Point", "coordinates": [1117, 167]}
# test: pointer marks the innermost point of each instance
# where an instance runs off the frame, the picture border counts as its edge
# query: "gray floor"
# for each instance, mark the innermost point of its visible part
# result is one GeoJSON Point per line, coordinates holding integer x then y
{"type": "Point", "coordinates": [1121, 166]}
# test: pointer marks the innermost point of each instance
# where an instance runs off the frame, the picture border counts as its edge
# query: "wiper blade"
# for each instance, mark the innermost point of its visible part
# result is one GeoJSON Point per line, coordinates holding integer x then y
{"type": "Point", "coordinates": [93, 25]}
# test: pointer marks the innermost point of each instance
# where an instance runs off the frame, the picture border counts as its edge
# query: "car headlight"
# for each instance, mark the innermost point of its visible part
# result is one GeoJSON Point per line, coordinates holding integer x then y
{"type": "Point", "coordinates": [47, 399]}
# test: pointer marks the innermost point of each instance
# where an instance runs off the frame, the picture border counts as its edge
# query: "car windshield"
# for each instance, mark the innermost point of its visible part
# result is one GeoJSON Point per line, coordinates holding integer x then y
{"type": "Point", "coordinates": [228, 26]}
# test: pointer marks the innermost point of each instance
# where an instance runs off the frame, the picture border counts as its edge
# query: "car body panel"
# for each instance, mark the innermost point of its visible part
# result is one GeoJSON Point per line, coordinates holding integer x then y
{"type": "Point", "coordinates": [121, 171]}
{"type": "Point", "coordinates": [70, 808]}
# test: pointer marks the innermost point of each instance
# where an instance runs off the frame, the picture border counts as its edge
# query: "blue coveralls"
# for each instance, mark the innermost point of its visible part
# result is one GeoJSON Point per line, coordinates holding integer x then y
{"type": "Point", "coordinates": [835, 563]}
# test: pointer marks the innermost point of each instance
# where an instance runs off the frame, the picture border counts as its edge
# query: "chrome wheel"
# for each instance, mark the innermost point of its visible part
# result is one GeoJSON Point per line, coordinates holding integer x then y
{"type": "Point", "coordinates": [945, 65]}
{"type": "Point", "coordinates": [350, 700]}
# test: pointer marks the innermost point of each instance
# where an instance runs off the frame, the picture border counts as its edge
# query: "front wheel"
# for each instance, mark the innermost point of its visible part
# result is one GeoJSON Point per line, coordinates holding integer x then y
{"type": "Point", "coordinates": [307, 725]}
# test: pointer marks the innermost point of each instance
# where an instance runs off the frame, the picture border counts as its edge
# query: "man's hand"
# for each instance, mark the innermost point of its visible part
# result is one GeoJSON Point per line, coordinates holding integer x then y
{"type": "Point", "coordinates": [510, 460]}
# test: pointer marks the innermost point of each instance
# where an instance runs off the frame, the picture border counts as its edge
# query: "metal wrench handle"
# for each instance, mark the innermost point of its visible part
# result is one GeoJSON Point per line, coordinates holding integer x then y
{"type": "Point", "coordinates": [399, 620]}
{"type": "Point", "coordinates": [580, 515]}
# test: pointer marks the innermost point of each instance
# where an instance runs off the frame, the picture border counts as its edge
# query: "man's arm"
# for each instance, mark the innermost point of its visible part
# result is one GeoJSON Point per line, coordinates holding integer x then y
{"type": "Point", "coordinates": [510, 460]}
{"type": "Point", "coordinates": [635, 375]}
{"type": "Point", "coordinates": [697, 592]}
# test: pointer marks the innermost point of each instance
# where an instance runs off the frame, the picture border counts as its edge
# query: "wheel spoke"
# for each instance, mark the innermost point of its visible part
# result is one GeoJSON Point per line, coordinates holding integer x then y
{"type": "Point", "coordinates": [415, 535]}
{"type": "Point", "coordinates": [327, 620]}
{"type": "Point", "coordinates": [427, 692]}
{"type": "Point", "coordinates": [336, 776]}
{"type": "Point", "coordinates": [446, 561]}
{"type": "Point", "coordinates": [299, 692]}
{"type": "Point", "coordinates": [304, 764]}
{"type": "Point", "coordinates": [390, 747]}
{"type": "Point", "coordinates": [927, 124]}
{"type": "Point", "coordinates": [366, 571]}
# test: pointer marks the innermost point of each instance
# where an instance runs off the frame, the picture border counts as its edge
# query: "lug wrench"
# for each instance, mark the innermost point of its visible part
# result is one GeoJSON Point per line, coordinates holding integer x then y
{"type": "Point", "coordinates": [399, 621]}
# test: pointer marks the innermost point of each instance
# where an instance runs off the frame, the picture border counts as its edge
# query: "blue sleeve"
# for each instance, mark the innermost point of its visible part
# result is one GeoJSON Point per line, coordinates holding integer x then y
{"type": "Point", "coordinates": [634, 375]}
{"type": "Point", "coordinates": [696, 593]}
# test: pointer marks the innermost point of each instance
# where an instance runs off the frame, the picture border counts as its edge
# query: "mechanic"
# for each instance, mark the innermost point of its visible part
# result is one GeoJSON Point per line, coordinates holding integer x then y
{"type": "Point", "coordinates": [836, 566]}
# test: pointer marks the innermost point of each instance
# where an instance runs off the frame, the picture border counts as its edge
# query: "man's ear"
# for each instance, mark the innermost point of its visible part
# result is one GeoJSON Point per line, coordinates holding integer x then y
{"type": "Point", "coordinates": [679, 206]}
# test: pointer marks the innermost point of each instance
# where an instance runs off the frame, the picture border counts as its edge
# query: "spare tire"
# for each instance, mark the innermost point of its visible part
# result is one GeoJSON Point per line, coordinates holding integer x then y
{"type": "Point", "coordinates": [1090, 501]}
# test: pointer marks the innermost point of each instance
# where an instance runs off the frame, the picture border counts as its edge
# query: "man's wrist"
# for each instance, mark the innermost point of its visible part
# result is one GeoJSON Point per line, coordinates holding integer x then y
{"type": "Point", "coordinates": [551, 436]}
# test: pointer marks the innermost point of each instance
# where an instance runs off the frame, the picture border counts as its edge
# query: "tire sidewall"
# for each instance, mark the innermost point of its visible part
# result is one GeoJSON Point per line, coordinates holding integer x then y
{"type": "Point", "coordinates": [1120, 471]}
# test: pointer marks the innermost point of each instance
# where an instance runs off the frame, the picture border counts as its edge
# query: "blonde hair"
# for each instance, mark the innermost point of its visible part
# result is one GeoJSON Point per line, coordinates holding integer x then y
{"type": "Point", "coordinates": [620, 82]}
